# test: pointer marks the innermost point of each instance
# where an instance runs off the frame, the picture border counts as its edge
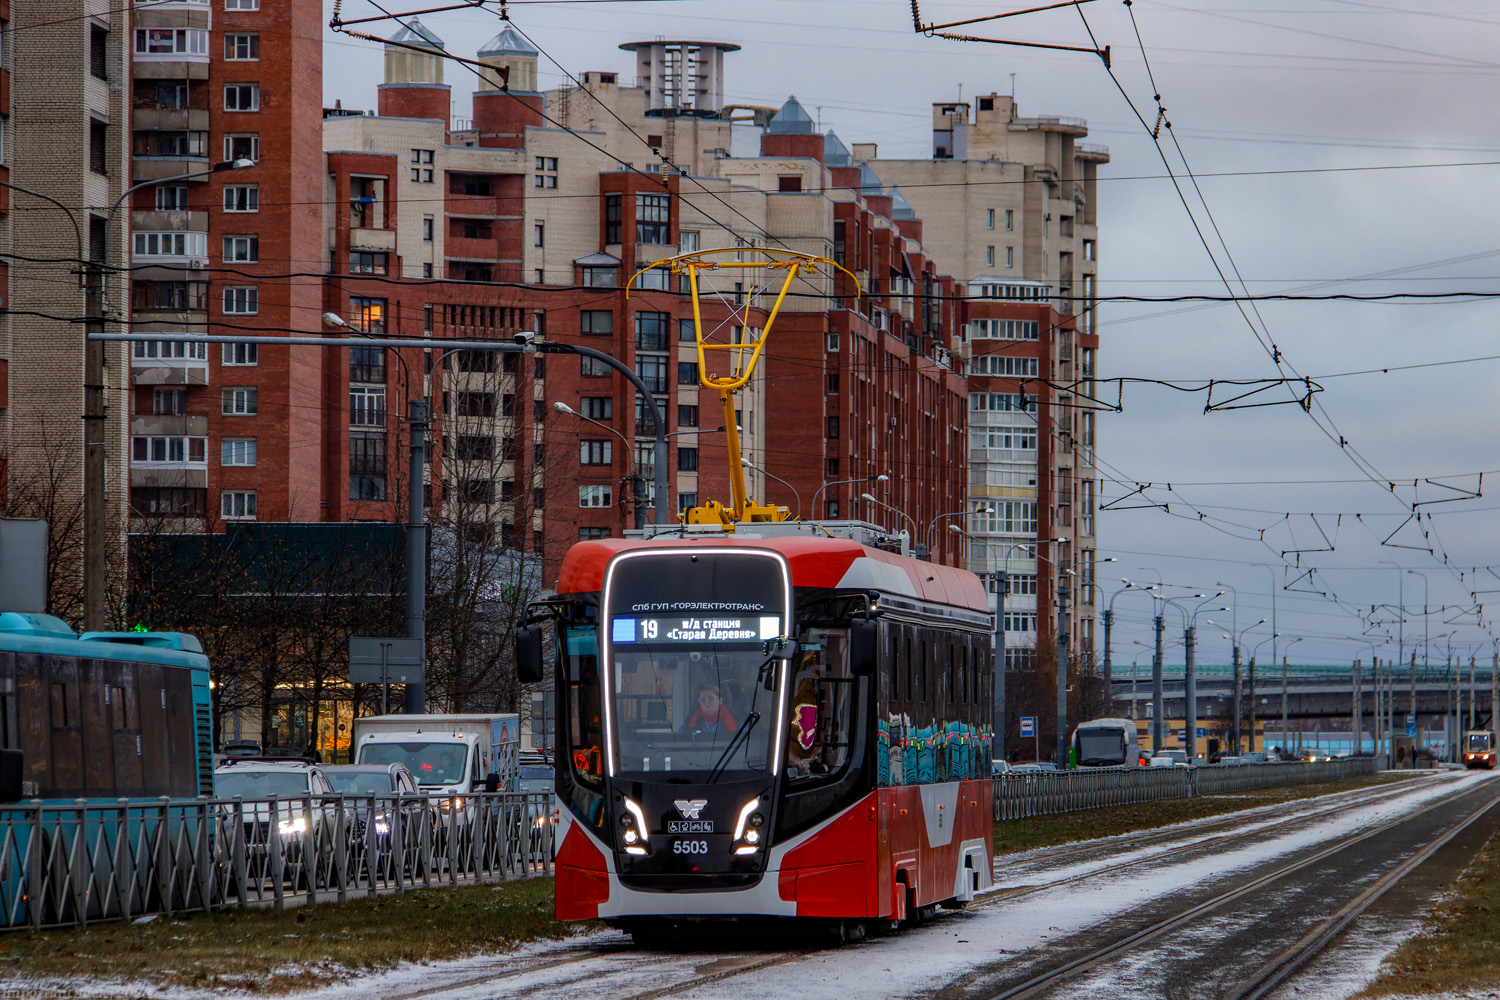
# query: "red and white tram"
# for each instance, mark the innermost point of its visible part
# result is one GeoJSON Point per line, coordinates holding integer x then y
{"type": "Point", "coordinates": [1479, 749]}
{"type": "Point", "coordinates": [791, 725]}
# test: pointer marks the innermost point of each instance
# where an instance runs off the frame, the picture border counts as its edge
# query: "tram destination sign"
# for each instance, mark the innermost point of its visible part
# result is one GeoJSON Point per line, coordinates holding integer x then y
{"type": "Point", "coordinates": [708, 627]}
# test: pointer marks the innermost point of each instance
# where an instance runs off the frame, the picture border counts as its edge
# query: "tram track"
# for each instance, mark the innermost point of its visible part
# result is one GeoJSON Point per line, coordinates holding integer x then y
{"type": "Point", "coordinates": [1274, 972]}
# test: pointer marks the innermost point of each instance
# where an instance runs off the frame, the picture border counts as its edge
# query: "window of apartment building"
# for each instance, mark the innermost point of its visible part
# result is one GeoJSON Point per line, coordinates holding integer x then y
{"type": "Point", "coordinates": [1088, 249]}
{"type": "Point", "coordinates": [98, 146]}
{"type": "Point", "coordinates": [592, 367]}
{"type": "Point", "coordinates": [170, 144]}
{"type": "Point", "coordinates": [687, 242]}
{"type": "Point", "coordinates": [367, 364]}
{"type": "Point", "coordinates": [601, 277]}
{"type": "Point", "coordinates": [831, 509]}
{"type": "Point", "coordinates": [241, 97]}
{"type": "Point", "coordinates": [241, 249]}
{"type": "Point", "coordinates": [242, 197]}
{"type": "Point", "coordinates": [241, 354]}
{"type": "Point", "coordinates": [241, 300]}
{"type": "Point", "coordinates": [833, 427]}
{"type": "Point", "coordinates": [687, 459]}
{"type": "Point", "coordinates": [687, 501]}
{"type": "Point", "coordinates": [169, 94]}
{"type": "Point", "coordinates": [831, 469]}
{"type": "Point", "coordinates": [421, 171]}
{"type": "Point", "coordinates": [170, 244]}
{"type": "Point", "coordinates": [367, 459]}
{"type": "Point", "coordinates": [427, 273]}
{"type": "Point", "coordinates": [172, 198]}
{"type": "Point", "coordinates": [613, 217]}
{"type": "Point", "coordinates": [687, 416]}
{"type": "Point", "coordinates": [1010, 219]}
{"type": "Point", "coordinates": [99, 52]}
{"type": "Point", "coordinates": [239, 402]}
{"type": "Point", "coordinates": [832, 387]}
{"type": "Point", "coordinates": [242, 146]}
{"type": "Point", "coordinates": [369, 262]}
{"type": "Point", "coordinates": [597, 407]}
{"type": "Point", "coordinates": [653, 372]}
{"type": "Point", "coordinates": [652, 218]}
{"type": "Point", "coordinates": [237, 505]}
{"type": "Point", "coordinates": [546, 176]}
{"type": "Point", "coordinates": [1010, 256]}
{"type": "Point", "coordinates": [242, 46]}
{"type": "Point", "coordinates": [367, 315]}
{"type": "Point", "coordinates": [789, 183]}
{"type": "Point", "coordinates": [427, 229]}
{"type": "Point", "coordinates": [176, 296]}
{"type": "Point", "coordinates": [171, 41]}
{"type": "Point", "coordinates": [590, 532]}
{"type": "Point", "coordinates": [546, 180]}
{"type": "Point", "coordinates": [191, 350]}
{"type": "Point", "coordinates": [651, 331]}
{"type": "Point", "coordinates": [480, 491]}
{"type": "Point", "coordinates": [658, 279]}
{"type": "Point", "coordinates": [539, 234]}
{"type": "Point", "coordinates": [242, 4]}
{"type": "Point", "coordinates": [989, 256]}
{"type": "Point", "coordinates": [237, 451]}
{"type": "Point", "coordinates": [593, 451]}
{"type": "Point", "coordinates": [687, 331]}
{"type": "Point", "coordinates": [171, 448]}
{"type": "Point", "coordinates": [475, 404]}
{"type": "Point", "coordinates": [1009, 517]}
{"type": "Point", "coordinates": [989, 218]}
{"type": "Point", "coordinates": [687, 373]}
{"type": "Point", "coordinates": [476, 448]}
{"type": "Point", "coordinates": [595, 495]}
{"type": "Point", "coordinates": [367, 406]}
{"type": "Point", "coordinates": [169, 401]}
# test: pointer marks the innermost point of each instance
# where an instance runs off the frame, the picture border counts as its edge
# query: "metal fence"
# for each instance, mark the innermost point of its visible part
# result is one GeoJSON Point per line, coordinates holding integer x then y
{"type": "Point", "coordinates": [1039, 793]}
{"type": "Point", "coordinates": [74, 864]}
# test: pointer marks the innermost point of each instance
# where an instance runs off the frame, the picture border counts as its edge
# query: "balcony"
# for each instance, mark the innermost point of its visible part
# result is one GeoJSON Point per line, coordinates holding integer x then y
{"type": "Point", "coordinates": [170, 248]}
{"type": "Point", "coordinates": [154, 168]}
{"type": "Point", "coordinates": [153, 118]}
{"type": "Point", "coordinates": [160, 362]}
{"type": "Point", "coordinates": [474, 206]}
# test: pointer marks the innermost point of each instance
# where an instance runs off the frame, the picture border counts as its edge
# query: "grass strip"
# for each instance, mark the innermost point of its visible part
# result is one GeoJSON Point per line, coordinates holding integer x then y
{"type": "Point", "coordinates": [1458, 948]}
{"type": "Point", "coordinates": [272, 951]}
{"type": "Point", "coordinates": [1016, 835]}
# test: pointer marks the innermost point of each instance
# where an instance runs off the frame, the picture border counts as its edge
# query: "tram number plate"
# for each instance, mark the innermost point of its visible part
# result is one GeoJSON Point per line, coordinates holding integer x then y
{"type": "Point", "coordinates": [690, 826]}
{"type": "Point", "coordinates": [690, 847]}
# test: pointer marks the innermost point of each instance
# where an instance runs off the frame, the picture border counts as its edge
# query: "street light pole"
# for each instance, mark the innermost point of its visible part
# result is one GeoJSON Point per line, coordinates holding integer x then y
{"type": "Point", "coordinates": [751, 466]}
{"type": "Point", "coordinates": [637, 484]}
{"type": "Point", "coordinates": [882, 478]}
{"type": "Point", "coordinates": [1426, 641]}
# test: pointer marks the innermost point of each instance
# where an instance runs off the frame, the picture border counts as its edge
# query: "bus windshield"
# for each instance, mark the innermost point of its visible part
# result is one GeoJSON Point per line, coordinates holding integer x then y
{"type": "Point", "coordinates": [1101, 748]}
{"type": "Point", "coordinates": [693, 672]}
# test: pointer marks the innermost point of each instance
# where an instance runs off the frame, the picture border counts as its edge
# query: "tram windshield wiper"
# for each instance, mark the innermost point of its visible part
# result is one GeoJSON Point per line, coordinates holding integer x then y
{"type": "Point", "coordinates": [739, 738]}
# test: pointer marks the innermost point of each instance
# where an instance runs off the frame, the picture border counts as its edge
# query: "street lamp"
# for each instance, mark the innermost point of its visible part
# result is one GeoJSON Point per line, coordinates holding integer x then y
{"type": "Point", "coordinates": [898, 510]}
{"type": "Point", "coordinates": [1426, 640]}
{"type": "Point", "coordinates": [1285, 692]}
{"type": "Point", "coordinates": [957, 513]}
{"type": "Point", "coordinates": [1235, 641]}
{"type": "Point", "coordinates": [882, 478]}
{"type": "Point", "coordinates": [1109, 622]}
{"type": "Point", "coordinates": [636, 485]}
{"type": "Point", "coordinates": [751, 466]}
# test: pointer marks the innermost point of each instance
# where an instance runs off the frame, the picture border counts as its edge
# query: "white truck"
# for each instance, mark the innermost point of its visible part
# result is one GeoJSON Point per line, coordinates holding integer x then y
{"type": "Point", "coordinates": [447, 754]}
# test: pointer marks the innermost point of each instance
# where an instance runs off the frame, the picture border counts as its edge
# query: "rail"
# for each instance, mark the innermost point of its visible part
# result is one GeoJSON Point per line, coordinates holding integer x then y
{"type": "Point", "coordinates": [75, 864]}
{"type": "Point", "coordinates": [1019, 795]}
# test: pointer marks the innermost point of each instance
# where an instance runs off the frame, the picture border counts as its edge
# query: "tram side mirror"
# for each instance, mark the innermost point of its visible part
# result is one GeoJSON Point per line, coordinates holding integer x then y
{"type": "Point", "coordinates": [529, 665]}
{"type": "Point", "coordinates": [10, 775]}
{"type": "Point", "coordinates": [863, 646]}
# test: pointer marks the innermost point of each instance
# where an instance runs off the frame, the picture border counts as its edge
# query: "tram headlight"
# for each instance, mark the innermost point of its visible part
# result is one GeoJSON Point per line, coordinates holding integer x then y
{"type": "Point", "coordinates": [633, 829]}
{"type": "Point", "coordinates": [747, 828]}
{"type": "Point", "coordinates": [291, 827]}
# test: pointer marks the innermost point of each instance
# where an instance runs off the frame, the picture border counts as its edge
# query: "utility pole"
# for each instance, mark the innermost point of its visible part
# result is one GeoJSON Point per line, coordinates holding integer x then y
{"type": "Point", "coordinates": [95, 503]}
{"type": "Point", "coordinates": [1252, 705]}
{"type": "Point", "coordinates": [1190, 694]}
{"type": "Point", "coordinates": [1002, 588]}
{"type": "Point", "coordinates": [1156, 696]}
{"type": "Point", "coordinates": [1062, 673]}
{"type": "Point", "coordinates": [416, 554]}
{"type": "Point", "coordinates": [1235, 724]}
{"type": "Point", "coordinates": [1354, 686]}
{"type": "Point", "coordinates": [1109, 622]}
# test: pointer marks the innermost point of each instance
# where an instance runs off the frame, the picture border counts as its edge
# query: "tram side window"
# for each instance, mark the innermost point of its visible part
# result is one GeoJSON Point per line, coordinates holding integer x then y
{"type": "Point", "coordinates": [821, 724]}
{"type": "Point", "coordinates": [585, 726]}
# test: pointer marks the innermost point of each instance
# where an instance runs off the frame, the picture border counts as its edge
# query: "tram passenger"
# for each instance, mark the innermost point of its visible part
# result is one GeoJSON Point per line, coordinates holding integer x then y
{"type": "Point", "coordinates": [713, 716]}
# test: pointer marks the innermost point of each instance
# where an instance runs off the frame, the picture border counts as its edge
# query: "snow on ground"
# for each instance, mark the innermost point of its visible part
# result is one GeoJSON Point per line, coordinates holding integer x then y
{"type": "Point", "coordinates": [900, 965]}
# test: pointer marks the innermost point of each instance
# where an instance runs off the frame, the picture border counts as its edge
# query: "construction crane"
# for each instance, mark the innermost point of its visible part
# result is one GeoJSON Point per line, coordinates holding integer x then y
{"type": "Point", "coordinates": [743, 355]}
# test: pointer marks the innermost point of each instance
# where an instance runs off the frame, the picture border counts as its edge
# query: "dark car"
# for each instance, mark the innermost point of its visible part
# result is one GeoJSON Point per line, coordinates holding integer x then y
{"type": "Point", "coordinates": [393, 791]}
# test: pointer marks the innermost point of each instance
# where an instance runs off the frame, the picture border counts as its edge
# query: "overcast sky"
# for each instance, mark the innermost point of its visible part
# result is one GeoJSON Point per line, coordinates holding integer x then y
{"type": "Point", "coordinates": [1341, 147]}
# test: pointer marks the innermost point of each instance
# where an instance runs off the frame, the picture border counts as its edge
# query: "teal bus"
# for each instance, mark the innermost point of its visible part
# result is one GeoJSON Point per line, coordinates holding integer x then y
{"type": "Point", "coordinates": [96, 730]}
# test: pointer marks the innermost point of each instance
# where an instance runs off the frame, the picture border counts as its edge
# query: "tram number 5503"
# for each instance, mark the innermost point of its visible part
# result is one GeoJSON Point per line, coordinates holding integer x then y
{"type": "Point", "coordinates": [690, 847]}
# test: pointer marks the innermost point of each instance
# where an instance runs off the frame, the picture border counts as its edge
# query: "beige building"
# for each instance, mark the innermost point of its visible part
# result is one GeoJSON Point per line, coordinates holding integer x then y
{"type": "Point", "coordinates": [1011, 201]}
{"type": "Point", "coordinates": [66, 137]}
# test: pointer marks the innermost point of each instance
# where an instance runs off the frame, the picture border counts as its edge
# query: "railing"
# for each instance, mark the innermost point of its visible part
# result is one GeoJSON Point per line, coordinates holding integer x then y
{"type": "Point", "coordinates": [1020, 794]}
{"type": "Point", "coordinates": [75, 864]}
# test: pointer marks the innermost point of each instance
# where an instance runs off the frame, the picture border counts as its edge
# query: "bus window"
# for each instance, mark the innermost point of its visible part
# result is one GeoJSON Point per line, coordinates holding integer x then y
{"type": "Point", "coordinates": [822, 697]}
{"type": "Point", "coordinates": [585, 728]}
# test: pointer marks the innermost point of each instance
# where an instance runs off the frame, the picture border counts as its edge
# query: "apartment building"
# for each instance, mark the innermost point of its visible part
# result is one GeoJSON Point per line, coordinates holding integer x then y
{"type": "Point", "coordinates": [64, 161]}
{"type": "Point", "coordinates": [1012, 202]}
{"type": "Point", "coordinates": [225, 121]}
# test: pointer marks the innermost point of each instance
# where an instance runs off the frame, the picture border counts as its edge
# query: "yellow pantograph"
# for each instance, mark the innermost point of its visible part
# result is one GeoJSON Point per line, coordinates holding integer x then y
{"type": "Point", "coordinates": [741, 354]}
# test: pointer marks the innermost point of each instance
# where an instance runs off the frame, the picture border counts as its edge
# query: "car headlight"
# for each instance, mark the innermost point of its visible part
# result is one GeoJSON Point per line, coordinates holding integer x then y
{"type": "Point", "coordinates": [382, 826]}
{"type": "Point", "coordinates": [290, 827]}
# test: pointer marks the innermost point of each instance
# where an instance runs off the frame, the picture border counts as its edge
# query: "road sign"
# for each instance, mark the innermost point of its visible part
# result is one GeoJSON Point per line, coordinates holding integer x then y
{"type": "Point", "coordinates": [375, 660]}
{"type": "Point", "coordinates": [1028, 725]}
{"type": "Point", "coordinates": [1411, 729]}
{"type": "Point", "coordinates": [1202, 732]}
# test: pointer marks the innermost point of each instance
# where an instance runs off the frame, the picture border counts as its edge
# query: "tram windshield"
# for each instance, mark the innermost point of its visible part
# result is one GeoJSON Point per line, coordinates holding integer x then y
{"type": "Point", "coordinates": [694, 676]}
{"type": "Point", "coordinates": [1479, 742]}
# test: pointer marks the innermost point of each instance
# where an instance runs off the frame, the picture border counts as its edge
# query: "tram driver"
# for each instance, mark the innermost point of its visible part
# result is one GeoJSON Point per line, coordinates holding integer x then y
{"type": "Point", "coordinates": [713, 716]}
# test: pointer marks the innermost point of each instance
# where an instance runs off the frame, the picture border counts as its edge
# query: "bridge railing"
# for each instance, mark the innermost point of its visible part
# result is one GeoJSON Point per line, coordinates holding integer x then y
{"type": "Point", "coordinates": [72, 864]}
{"type": "Point", "coordinates": [1020, 794]}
